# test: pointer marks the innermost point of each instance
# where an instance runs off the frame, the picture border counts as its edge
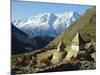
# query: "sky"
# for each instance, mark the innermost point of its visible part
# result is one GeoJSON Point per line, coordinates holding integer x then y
{"type": "Point", "coordinates": [24, 9]}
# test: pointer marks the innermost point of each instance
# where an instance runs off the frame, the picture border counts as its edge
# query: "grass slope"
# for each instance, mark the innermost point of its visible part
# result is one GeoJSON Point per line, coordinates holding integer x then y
{"type": "Point", "coordinates": [86, 25]}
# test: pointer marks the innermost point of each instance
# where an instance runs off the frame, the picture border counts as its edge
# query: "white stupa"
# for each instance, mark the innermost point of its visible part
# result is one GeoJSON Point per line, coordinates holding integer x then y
{"type": "Point", "coordinates": [72, 53]}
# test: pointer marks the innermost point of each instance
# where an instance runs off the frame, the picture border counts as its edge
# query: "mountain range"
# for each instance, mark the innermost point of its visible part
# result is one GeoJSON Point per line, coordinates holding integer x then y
{"type": "Point", "coordinates": [46, 24]}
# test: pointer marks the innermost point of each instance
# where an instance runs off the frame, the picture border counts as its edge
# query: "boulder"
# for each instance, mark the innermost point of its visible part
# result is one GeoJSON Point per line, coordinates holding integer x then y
{"type": "Point", "coordinates": [58, 56]}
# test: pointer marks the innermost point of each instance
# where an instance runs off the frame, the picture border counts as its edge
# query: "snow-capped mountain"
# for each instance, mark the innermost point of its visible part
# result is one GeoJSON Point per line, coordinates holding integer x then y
{"type": "Point", "coordinates": [46, 24]}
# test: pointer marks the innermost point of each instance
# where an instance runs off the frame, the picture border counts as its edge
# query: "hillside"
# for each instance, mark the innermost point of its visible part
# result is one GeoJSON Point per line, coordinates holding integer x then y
{"type": "Point", "coordinates": [85, 25]}
{"type": "Point", "coordinates": [22, 43]}
{"type": "Point", "coordinates": [17, 40]}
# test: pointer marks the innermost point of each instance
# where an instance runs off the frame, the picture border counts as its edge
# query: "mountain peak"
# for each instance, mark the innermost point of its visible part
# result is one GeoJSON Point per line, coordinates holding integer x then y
{"type": "Point", "coordinates": [46, 24]}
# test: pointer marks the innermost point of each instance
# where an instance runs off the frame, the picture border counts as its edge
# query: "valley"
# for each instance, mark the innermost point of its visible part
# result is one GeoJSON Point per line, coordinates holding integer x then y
{"type": "Point", "coordinates": [72, 49]}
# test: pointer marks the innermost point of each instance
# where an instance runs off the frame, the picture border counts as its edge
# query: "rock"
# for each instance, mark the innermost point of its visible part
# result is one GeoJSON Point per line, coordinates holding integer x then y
{"type": "Point", "coordinates": [90, 49]}
{"type": "Point", "coordinates": [58, 56]}
{"type": "Point", "coordinates": [85, 56]}
{"type": "Point", "coordinates": [87, 45]}
{"type": "Point", "coordinates": [93, 55]}
{"type": "Point", "coordinates": [87, 65]}
{"type": "Point", "coordinates": [20, 59]}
